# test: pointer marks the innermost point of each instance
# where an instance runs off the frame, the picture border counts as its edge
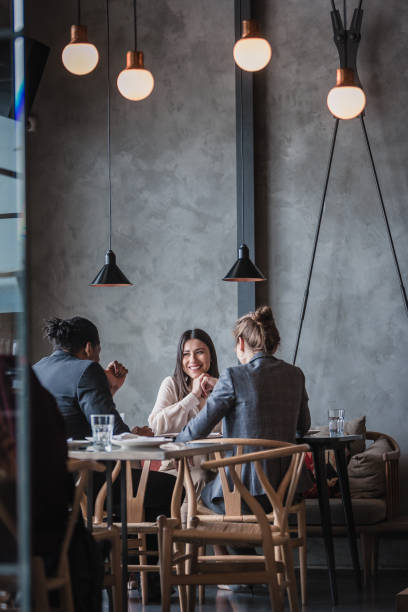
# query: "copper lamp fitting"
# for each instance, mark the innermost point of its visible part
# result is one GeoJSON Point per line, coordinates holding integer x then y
{"type": "Point", "coordinates": [345, 76]}
{"type": "Point", "coordinates": [249, 28]}
{"type": "Point", "coordinates": [79, 34]}
{"type": "Point", "coordinates": [134, 59]}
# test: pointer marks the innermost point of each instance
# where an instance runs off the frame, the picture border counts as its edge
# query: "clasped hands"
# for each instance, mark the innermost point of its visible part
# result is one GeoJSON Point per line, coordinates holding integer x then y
{"type": "Point", "coordinates": [203, 385]}
{"type": "Point", "coordinates": [116, 374]}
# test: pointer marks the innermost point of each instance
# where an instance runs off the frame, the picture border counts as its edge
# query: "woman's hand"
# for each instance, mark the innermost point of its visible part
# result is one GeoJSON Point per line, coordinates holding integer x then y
{"type": "Point", "coordinates": [196, 387]}
{"type": "Point", "coordinates": [207, 384]}
{"type": "Point", "coordinates": [116, 374]}
{"type": "Point", "coordinates": [203, 385]}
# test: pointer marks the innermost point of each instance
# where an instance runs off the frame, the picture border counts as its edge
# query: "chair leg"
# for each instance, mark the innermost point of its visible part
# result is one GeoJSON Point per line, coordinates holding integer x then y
{"type": "Point", "coordinates": [374, 557]}
{"type": "Point", "coordinates": [143, 575]}
{"type": "Point", "coordinates": [165, 548]}
{"type": "Point", "coordinates": [192, 550]}
{"type": "Point", "coordinates": [301, 519]}
{"type": "Point", "coordinates": [182, 589]}
{"type": "Point", "coordinates": [201, 587]}
{"type": "Point", "coordinates": [40, 590]}
{"type": "Point", "coordinates": [278, 557]}
{"type": "Point", "coordinates": [290, 577]}
{"type": "Point", "coordinates": [110, 598]}
{"type": "Point", "coordinates": [68, 605]}
{"type": "Point", "coordinates": [275, 592]}
{"type": "Point", "coordinates": [191, 597]}
{"type": "Point", "coordinates": [366, 549]}
{"type": "Point", "coordinates": [117, 572]}
{"type": "Point", "coordinates": [275, 596]}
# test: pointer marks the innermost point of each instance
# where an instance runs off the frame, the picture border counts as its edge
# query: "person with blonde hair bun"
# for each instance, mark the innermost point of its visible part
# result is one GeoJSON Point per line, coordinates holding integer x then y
{"type": "Point", "coordinates": [264, 398]}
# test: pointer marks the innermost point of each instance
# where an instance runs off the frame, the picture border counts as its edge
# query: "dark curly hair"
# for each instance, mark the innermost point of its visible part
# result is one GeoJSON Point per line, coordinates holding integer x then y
{"type": "Point", "coordinates": [71, 335]}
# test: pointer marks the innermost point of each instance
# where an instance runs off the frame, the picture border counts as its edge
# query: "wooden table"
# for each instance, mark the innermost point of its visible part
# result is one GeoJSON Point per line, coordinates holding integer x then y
{"type": "Point", "coordinates": [138, 453]}
{"type": "Point", "coordinates": [319, 444]}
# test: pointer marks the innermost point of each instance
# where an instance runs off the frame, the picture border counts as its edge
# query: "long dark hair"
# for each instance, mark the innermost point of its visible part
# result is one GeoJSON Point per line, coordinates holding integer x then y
{"type": "Point", "coordinates": [181, 379]}
{"type": "Point", "coordinates": [71, 335]}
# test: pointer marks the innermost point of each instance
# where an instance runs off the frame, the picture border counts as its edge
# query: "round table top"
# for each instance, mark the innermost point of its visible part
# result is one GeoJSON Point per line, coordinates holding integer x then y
{"type": "Point", "coordinates": [319, 439]}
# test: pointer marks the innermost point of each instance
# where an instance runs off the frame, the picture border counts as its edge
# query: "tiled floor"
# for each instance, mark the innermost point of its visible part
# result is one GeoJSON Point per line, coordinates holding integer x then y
{"type": "Point", "coordinates": [379, 596]}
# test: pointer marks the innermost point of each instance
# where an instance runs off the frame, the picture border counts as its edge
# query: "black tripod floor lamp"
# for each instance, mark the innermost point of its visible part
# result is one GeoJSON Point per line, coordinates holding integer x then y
{"type": "Point", "coordinates": [347, 101]}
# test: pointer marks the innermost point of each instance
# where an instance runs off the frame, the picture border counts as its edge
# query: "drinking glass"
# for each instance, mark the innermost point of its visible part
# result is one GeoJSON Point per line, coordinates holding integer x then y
{"type": "Point", "coordinates": [336, 421]}
{"type": "Point", "coordinates": [102, 430]}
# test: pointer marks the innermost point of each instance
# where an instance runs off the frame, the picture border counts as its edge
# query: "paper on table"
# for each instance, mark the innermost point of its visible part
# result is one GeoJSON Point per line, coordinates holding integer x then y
{"type": "Point", "coordinates": [128, 439]}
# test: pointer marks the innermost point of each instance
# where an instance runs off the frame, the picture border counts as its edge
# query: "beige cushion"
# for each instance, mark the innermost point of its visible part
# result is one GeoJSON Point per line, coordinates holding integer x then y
{"type": "Point", "coordinates": [366, 471]}
{"type": "Point", "coordinates": [356, 426]}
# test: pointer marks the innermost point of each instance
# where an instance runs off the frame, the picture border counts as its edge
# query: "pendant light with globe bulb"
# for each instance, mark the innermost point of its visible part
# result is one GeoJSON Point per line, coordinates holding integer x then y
{"type": "Point", "coordinates": [80, 57]}
{"type": "Point", "coordinates": [110, 274]}
{"type": "Point", "coordinates": [251, 52]}
{"type": "Point", "coordinates": [347, 99]}
{"type": "Point", "coordinates": [135, 82]}
{"type": "Point", "coordinates": [347, 42]}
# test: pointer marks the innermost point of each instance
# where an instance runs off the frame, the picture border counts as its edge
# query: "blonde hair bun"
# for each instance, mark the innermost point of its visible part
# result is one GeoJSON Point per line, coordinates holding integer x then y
{"type": "Point", "coordinates": [263, 315]}
{"type": "Point", "coordinates": [259, 331]}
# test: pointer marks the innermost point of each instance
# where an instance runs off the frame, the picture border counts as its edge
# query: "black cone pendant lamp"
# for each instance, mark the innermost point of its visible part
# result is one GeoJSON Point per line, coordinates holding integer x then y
{"type": "Point", "coordinates": [243, 270]}
{"type": "Point", "coordinates": [110, 275]}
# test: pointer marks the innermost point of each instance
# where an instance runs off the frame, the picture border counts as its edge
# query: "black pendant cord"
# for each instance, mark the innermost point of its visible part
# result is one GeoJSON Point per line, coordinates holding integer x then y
{"type": "Point", "coordinates": [242, 164]}
{"type": "Point", "coordinates": [109, 130]}
{"type": "Point", "coordinates": [394, 254]}
{"type": "Point", "coordinates": [309, 278]}
{"type": "Point", "coordinates": [79, 12]}
{"type": "Point", "coordinates": [135, 23]}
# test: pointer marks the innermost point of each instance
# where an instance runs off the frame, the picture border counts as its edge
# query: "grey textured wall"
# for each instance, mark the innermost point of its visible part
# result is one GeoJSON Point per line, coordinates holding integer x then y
{"type": "Point", "coordinates": [173, 174]}
{"type": "Point", "coordinates": [354, 345]}
{"type": "Point", "coordinates": [173, 162]}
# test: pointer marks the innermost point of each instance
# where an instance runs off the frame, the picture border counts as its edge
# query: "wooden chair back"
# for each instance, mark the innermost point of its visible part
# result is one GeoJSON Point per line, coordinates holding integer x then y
{"type": "Point", "coordinates": [73, 517]}
{"type": "Point", "coordinates": [62, 580]}
{"type": "Point", "coordinates": [135, 502]}
{"type": "Point", "coordinates": [281, 498]}
{"type": "Point", "coordinates": [232, 497]}
{"type": "Point", "coordinates": [193, 568]}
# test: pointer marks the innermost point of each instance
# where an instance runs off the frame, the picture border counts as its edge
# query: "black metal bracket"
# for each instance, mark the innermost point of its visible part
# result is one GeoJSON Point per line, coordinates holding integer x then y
{"type": "Point", "coordinates": [347, 41]}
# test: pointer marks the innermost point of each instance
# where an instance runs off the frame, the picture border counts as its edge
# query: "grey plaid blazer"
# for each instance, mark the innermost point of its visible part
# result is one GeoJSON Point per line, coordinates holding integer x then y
{"type": "Point", "coordinates": [265, 398]}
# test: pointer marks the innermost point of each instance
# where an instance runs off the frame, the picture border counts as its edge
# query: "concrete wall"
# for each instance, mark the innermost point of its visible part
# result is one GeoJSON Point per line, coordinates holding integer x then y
{"type": "Point", "coordinates": [174, 220]}
{"type": "Point", "coordinates": [354, 344]}
{"type": "Point", "coordinates": [173, 186]}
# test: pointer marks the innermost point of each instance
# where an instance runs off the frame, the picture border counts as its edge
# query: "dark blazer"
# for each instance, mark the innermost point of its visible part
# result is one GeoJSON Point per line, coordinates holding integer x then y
{"type": "Point", "coordinates": [265, 398]}
{"type": "Point", "coordinates": [81, 388]}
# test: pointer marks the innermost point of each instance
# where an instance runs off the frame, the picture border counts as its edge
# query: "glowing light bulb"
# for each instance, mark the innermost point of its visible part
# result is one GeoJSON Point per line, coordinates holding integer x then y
{"type": "Point", "coordinates": [346, 100]}
{"type": "Point", "coordinates": [80, 56]}
{"type": "Point", "coordinates": [135, 82]}
{"type": "Point", "coordinates": [251, 52]}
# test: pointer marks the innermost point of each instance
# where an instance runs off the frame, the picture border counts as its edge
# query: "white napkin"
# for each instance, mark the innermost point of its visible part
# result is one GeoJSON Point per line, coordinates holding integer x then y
{"type": "Point", "coordinates": [130, 436]}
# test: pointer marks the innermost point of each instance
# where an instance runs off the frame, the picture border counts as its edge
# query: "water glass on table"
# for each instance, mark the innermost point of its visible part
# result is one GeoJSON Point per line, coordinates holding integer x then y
{"type": "Point", "coordinates": [102, 431]}
{"type": "Point", "coordinates": [336, 421]}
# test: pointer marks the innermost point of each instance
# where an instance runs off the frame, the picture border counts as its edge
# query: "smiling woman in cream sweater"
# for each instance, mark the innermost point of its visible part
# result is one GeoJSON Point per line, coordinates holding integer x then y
{"type": "Point", "coordinates": [183, 395]}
